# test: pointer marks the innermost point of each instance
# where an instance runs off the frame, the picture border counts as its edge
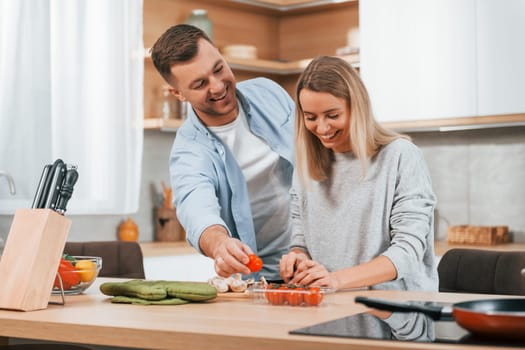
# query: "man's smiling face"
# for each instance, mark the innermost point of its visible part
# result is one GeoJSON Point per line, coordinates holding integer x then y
{"type": "Point", "coordinates": [208, 84]}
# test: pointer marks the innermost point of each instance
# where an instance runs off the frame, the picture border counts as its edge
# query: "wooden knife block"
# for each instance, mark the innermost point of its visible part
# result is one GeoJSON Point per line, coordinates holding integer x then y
{"type": "Point", "coordinates": [30, 260]}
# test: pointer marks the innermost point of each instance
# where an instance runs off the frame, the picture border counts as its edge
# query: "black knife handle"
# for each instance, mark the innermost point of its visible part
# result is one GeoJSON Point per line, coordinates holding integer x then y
{"type": "Point", "coordinates": [67, 190]}
{"type": "Point", "coordinates": [432, 309]}
{"type": "Point", "coordinates": [47, 184]}
{"type": "Point", "coordinates": [41, 186]}
{"type": "Point", "coordinates": [58, 172]}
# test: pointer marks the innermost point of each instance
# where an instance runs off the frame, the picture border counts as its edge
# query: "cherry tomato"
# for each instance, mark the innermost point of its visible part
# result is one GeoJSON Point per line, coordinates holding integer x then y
{"type": "Point", "coordinates": [255, 264]}
{"type": "Point", "coordinates": [68, 274]}
{"type": "Point", "coordinates": [294, 297]}
{"type": "Point", "coordinates": [313, 297]}
{"type": "Point", "coordinates": [274, 294]}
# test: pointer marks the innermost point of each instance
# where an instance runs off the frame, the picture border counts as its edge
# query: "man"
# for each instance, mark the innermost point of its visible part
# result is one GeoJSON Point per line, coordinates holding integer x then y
{"type": "Point", "coordinates": [232, 160]}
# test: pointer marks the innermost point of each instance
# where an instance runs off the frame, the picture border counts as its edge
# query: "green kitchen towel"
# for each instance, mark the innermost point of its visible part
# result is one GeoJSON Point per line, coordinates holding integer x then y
{"type": "Point", "coordinates": [147, 290]}
{"type": "Point", "coordinates": [160, 290]}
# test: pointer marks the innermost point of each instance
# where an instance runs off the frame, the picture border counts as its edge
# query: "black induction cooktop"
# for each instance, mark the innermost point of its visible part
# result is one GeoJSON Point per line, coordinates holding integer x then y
{"type": "Point", "coordinates": [401, 326]}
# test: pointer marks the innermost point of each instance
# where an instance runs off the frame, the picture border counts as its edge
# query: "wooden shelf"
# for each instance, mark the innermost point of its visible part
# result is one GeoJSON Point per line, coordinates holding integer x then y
{"type": "Point", "coordinates": [284, 7]}
{"type": "Point", "coordinates": [286, 33]}
{"type": "Point", "coordinates": [271, 66]}
{"type": "Point", "coordinates": [457, 124]}
{"type": "Point", "coordinates": [277, 67]}
{"type": "Point", "coordinates": [257, 65]}
{"type": "Point", "coordinates": [162, 124]}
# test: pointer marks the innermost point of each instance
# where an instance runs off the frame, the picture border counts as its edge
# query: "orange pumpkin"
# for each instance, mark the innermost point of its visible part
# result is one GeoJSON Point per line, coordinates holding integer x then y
{"type": "Point", "coordinates": [128, 231]}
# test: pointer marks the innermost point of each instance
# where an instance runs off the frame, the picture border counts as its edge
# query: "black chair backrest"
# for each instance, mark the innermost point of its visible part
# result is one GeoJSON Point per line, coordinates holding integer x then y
{"type": "Point", "coordinates": [482, 271]}
{"type": "Point", "coordinates": [119, 258]}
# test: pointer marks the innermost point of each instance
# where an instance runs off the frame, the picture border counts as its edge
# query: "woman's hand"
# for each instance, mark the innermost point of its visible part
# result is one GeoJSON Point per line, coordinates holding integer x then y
{"type": "Point", "coordinates": [289, 263]}
{"type": "Point", "coordinates": [312, 273]}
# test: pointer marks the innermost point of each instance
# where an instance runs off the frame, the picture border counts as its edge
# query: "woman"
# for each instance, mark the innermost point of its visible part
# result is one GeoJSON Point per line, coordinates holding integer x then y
{"type": "Point", "coordinates": [362, 199]}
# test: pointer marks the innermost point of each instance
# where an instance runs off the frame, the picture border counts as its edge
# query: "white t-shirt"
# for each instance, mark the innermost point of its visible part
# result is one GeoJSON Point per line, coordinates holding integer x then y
{"type": "Point", "coordinates": [269, 197]}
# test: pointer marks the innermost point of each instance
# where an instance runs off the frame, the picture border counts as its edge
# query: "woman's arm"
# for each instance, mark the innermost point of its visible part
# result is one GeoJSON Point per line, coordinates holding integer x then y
{"type": "Point", "coordinates": [377, 270]}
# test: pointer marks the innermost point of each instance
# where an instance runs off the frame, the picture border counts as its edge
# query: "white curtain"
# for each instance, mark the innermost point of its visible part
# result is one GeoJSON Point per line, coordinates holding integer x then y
{"type": "Point", "coordinates": [71, 87]}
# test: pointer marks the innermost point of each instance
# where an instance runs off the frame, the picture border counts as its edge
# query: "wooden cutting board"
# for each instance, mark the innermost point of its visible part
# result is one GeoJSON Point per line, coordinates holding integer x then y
{"type": "Point", "coordinates": [233, 295]}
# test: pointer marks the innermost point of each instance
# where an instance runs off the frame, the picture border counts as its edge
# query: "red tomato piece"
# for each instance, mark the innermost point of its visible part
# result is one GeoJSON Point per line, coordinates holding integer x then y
{"type": "Point", "coordinates": [68, 274]}
{"type": "Point", "coordinates": [294, 297]}
{"type": "Point", "coordinates": [255, 264]}
{"type": "Point", "coordinates": [274, 294]}
{"type": "Point", "coordinates": [313, 297]}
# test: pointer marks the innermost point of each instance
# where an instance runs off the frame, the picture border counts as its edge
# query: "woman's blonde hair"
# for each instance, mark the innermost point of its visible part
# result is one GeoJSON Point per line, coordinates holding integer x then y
{"type": "Point", "coordinates": [337, 77]}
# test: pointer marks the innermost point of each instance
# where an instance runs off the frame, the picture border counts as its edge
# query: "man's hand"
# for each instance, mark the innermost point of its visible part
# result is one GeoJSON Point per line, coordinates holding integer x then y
{"type": "Point", "coordinates": [230, 254]}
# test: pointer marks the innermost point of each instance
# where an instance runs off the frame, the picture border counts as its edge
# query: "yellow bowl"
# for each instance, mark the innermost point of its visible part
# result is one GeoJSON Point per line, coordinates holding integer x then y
{"type": "Point", "coordinates": [76, 274]}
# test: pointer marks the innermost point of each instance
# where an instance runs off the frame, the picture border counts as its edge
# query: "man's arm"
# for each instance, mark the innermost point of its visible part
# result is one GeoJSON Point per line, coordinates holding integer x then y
{"type": "Point", "coordinates": [212, 237]}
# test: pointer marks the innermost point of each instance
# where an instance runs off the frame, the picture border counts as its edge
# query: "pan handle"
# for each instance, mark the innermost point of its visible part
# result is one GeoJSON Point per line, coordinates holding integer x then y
{"type": "Point", "coordinates": [437, 311]}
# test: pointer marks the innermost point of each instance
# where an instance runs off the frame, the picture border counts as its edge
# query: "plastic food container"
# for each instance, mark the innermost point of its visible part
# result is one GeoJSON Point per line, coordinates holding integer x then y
{"type": "Point", "coordinates": [290, 295]}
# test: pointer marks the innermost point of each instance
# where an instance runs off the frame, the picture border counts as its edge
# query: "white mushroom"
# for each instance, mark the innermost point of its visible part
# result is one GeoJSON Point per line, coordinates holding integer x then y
{"type": "Point", "coordinates": [237, 284]}
{"type": "Point", "coordinates": [263, 281]}
{"type": "Point", "coordinates": [219, 283]}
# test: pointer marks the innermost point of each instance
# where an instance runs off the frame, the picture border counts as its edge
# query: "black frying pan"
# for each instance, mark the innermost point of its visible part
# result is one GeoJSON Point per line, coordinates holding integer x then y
{"type": "Point", "coordinates": [503, 318]}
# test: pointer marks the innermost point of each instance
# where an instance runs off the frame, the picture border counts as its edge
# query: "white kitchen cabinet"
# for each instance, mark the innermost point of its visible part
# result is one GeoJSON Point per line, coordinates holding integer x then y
{"type": "Point", "coordinates": [418, 58]}
{"type": "Point", "coordinates": [501, 56]}
{"type": "Point", "coordinates": [435, 59]}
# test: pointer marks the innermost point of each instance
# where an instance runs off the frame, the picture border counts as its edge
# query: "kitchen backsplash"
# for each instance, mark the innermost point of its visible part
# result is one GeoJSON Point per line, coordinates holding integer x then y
{"type": "Point", "coordinates": [478, 177]}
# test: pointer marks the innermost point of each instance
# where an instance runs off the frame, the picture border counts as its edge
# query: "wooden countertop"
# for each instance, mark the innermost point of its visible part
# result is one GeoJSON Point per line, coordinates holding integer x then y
{"type": "Point", "coordinates": [224, 323]}
{"type": "Point", "coordinates": [153, 249]}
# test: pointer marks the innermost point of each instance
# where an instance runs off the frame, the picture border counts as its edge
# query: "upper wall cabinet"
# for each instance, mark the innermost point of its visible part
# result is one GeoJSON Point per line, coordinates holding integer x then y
{"type": "Point", "coordinates": [501, 56]}
{"type": "Point", "coordinates": [418, 58]}
{"type": "Point", "coordinates": [435, 59]}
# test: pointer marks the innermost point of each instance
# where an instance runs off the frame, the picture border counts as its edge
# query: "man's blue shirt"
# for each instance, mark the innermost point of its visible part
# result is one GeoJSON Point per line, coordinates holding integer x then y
{"type": "Point", "coordinates": [209, 187]}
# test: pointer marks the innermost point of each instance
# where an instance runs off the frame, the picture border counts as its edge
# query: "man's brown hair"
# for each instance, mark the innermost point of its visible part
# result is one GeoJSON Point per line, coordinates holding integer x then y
{"type": "Point", "coordinates": [178, 44]}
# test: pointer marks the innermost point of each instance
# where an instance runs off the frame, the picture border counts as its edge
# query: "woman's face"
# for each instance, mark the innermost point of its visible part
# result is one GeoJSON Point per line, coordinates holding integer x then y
{"type": "Point", "coordinates": [327, 117]}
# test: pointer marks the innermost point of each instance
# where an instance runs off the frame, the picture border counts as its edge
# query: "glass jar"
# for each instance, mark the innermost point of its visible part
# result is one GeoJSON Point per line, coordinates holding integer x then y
{"type": "Point", "coordinates": [199, 18]}
{"type": "Point", "coordinates": [168, 104]}
{"type": "Point", "coordinates": [183, 109]}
